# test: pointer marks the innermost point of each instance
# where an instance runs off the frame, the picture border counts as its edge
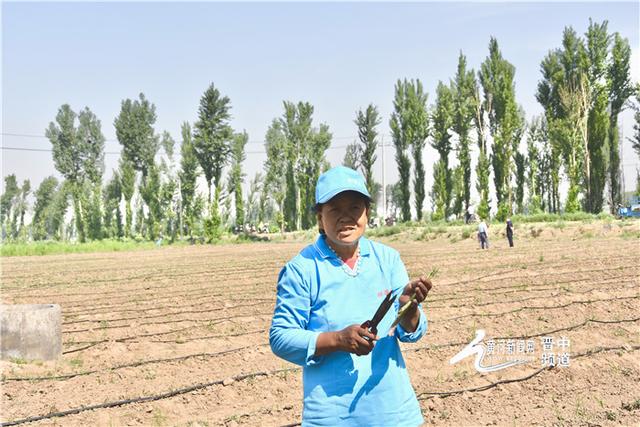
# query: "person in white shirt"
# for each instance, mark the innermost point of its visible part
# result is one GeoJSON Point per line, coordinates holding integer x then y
{"type": "Point", "coordinates": [483, 234]}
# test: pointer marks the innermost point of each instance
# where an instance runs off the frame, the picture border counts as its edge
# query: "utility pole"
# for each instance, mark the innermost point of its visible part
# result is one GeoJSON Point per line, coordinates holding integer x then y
{"type": "Point", "coordinates": [384, 184]}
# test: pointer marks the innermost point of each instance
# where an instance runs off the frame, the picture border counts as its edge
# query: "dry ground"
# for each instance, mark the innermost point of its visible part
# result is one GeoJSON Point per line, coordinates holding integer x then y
{"type": "Point", "coordinates": [148, 323]}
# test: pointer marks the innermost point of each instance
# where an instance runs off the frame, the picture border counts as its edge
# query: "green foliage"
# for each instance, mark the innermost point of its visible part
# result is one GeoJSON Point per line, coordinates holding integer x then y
{"type": "Point", "coordinates": [442, 174]}
{"type": "Point", "coordinates": [14, 207]}
{"type": "Point", "coordinates": [503, 212]}
{"type": "Point", "coordinates": [150, 193]}
{"type": "Point", "coordinates": [505, 123]}
{"type": "Point", "coordinates": [304, 149]}
{"type": "Point", "coordinates": [274, 186]}
{"type": "Point", "coordinates": [409, 129]}
{"type": "Point", "coordinates": [7, 201]}
{"type": "Point", "coordinates": [367, 122]}
{"type": "Point", "coordinates": [134, 130]}
{"type": "Point", "coordinates": [78, 154]}
{"type": "Point", "coordinates": [385, 231]}
{"type": "Point", "coordinates": [112, 195]}
{"type": "Point", "coordinates": [213, 224]}
{"type": "Point", "coordinates": [439, 194]}
{"type": "Point", "coordinates": [50, 208]}
{"type": "Point", "coordinates": [597, 152]}
{"type": "Point", "coordinates": [584, 88]}
{"type": "Point", "coordinates": [463, 88]}
{"type": "Point", "coordinates": [212, 136]}
{"type": "Point", "coordinates": [169, 208]}
{"type": "Point", "coordinates": [188, 175]}
{"type": "Point", "coordinates": [568, 217]}
{"type": "Point", "coordinates": [520, 161]}
{"type": "Point", "coordinates": [52, 247]}
{"type": "Point", "coordinates": [127, 184]}
{"type": "Point", "coordinates": [621, 89]}
{"type": "Point", "coordinates": [467, 232]}
{"type": "Point", "coordinates": [352, 156]}
{"type": "Point", "coordinates": [635, 139]}
{"type": "Point", "coordinates": [236, 176]}
{"type": "Point", "coordinates": [458, 188]}
{"type": "Point", "coordinates": [253, 206]}
{"type": "Point", "coordinates": [45, 195]}
{"type": "Point", "coordinates": [94, 211]}
{"type": "Point", "coordinates": [482, 168]}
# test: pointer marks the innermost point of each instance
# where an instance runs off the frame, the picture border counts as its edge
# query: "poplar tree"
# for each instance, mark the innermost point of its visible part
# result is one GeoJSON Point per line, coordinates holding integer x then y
{"type": "Point", "coordinates": [497, 79]}
{"type": "Point", "coordinates": [442, 123]}
{"type": "Point", "coordinates": [367, 121]}
{"type": "Point", "coordinates": [620, 90]}
{"type": "Point", "coordinates": [236, 176]}
{"type": "Point", "coordinates": [187, 177]}
{"type": "Point", "coordinates": [409, 129]}
{"type": "Point", "coordinates": [463, 88]}
{"type": "Point", "coordinates": [78, 154]}
{"type": "Point", "coordinates": [212, 145]}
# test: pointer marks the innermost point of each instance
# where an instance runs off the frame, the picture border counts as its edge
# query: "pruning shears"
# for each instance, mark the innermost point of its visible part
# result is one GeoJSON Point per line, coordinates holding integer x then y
{"type": "Point", "coordinates": [385, 305]}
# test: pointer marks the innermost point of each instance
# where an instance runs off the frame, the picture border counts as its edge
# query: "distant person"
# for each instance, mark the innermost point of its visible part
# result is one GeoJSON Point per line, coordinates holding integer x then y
{"type": "Point", "coordinates": [483, 234]}
{"type": "Point", "coordinates": [510, 232]}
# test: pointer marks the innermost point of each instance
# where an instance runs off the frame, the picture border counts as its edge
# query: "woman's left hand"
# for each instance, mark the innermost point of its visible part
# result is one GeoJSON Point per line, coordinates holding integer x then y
{"type": "Point", "coordinates": [420, 287]}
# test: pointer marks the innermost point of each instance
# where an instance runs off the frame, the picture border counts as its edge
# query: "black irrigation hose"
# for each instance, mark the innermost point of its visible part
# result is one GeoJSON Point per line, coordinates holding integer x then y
{"type": "Point", "coordinates": [133, 337]}
{"type": "Point", "coordinates": [265, 301]}
{"type": "Point", "coordinates": [526, 298]}
{"type": "Point", "coordinates": [144, 276]}
{"type": "Point", "coordinates": [542, 307]}
{"type": "Point", "coordinates": [172, 393]}
{"type": "Point", "coordinates": [125, 339]}
{"type": "Point", "coordinates": [206, 337]}
{"type": "Point", "coordinates": [416, 349]}
{"type": "Point", "coordinates": [430, 394]}
{"type": "Point", "coordinates": [142, 399]}
{"type": "Point", "coordinates": [166, 273]}
{"type": "Point", "coordinates": [516, 287]}
{"type": "Point", "coordinates": [192, 294]}
{"type": "Point", "coordinates": [133, 365]}
{"type": "Point", "coordinates": [75, 350]}
{"type": "Point", "coordinates": [100, 328]}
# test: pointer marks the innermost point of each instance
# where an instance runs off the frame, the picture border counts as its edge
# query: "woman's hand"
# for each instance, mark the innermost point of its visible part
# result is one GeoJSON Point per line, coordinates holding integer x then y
{"type": "Point", "coordinates": [416, 291]}
{"type": "Point", "coordinates": [356, 339]}
{"type": "Point", "coordinates": [420, 287]}
{"type": "Point", "coordinates": [352, 339]}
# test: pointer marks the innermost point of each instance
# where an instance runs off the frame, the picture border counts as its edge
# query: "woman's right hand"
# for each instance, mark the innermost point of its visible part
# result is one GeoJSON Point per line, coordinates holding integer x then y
{"type": "Point", "coordinates": [356, 339]}
{"type": "Point", "coordinates": [352, 339]}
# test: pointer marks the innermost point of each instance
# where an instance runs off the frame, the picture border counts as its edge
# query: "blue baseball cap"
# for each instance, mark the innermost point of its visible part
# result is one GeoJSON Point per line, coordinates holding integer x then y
{"type": "Point", "coordinates": [338, 180]}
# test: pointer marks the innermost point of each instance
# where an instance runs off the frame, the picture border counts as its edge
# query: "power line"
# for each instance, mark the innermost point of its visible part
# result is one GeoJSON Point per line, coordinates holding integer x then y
{"type": "Point", "coordinates": [49, 150]}
{"type": "Point", "coordinates": [27, 135]}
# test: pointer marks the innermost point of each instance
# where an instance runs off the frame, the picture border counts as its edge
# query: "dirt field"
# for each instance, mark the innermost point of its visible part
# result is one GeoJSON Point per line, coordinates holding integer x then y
{"type": "Point", "coordinates": [187, 327]}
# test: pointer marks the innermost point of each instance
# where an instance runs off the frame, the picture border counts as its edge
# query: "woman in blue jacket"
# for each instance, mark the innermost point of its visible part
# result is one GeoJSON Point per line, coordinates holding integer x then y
{"type": "Point", "coordinates": [325, 293]}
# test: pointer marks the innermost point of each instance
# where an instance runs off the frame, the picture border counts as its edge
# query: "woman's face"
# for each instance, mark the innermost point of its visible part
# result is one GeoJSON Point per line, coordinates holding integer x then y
{"type": "Point", "coordinates": [344, 218]}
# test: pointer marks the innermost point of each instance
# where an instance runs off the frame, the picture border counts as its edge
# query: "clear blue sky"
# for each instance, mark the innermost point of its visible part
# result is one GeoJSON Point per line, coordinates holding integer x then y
{"type": "Point", "coordinates": [337, 56]}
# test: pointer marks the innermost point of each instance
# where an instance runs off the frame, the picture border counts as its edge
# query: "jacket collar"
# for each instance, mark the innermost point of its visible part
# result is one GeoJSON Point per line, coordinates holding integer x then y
{"type": "Point", "coordinates": [326, 252]}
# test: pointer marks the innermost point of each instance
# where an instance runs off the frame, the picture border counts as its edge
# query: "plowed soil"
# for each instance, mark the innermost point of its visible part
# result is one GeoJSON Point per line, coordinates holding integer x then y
{"type": "Point", "coordinates": [178, 335]}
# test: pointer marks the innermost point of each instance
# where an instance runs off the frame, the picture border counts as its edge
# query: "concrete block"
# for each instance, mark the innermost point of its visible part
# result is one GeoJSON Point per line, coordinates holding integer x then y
{"type": "Point", "coordinates": [30, 331]}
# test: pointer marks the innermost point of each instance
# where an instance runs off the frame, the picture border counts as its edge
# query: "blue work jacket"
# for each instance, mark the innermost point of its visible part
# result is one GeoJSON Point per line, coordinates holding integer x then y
{"type": "Point", "coordinates": [318, 293]}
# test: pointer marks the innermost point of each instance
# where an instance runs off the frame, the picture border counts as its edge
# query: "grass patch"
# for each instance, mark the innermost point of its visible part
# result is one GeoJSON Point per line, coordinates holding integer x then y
{"type": "Point", "coordinates": [52, 247]}
{"type": "Point", "coordinates": [626, 234]}
{"type": "Point", "coordinates": [18, 360]}
{"type": "Point", "coordinates": [385, 231]}
{"type": "Point", "coordinates": [632, 406]}
{"type": "Point", "coordinates": [549, 217]}
{"type": "Point", "coordinates": [76, 363]}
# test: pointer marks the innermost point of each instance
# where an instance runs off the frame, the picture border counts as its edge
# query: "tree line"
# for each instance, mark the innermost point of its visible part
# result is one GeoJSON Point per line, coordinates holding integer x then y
{"type": "Point", "coordinates": [584, 86]}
